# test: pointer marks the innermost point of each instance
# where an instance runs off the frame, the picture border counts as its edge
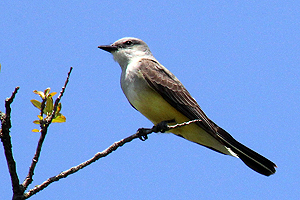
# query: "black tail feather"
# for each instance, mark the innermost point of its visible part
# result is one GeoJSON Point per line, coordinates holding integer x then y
{"type": "Point", "coordinates": [252, 159]}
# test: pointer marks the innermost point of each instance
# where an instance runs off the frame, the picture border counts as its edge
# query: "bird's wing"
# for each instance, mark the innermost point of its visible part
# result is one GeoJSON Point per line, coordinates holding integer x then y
{"type": "Point", "coordinates": [172, 90]}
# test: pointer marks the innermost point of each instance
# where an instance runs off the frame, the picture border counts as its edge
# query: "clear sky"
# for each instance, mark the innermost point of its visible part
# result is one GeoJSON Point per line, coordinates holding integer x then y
{"type": "Point", "coordinates": [239, 59]}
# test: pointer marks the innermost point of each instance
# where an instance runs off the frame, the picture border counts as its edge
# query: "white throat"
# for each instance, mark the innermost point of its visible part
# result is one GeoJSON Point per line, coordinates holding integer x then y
{"type": "Point", "coordinates": [125, 56]}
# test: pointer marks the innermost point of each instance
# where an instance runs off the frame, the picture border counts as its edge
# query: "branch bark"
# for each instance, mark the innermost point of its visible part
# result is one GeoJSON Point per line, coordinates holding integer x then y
{"type": "Point", "coordinates": [18, 189]}
{"type": "Point", "coordinates": [141, 134]}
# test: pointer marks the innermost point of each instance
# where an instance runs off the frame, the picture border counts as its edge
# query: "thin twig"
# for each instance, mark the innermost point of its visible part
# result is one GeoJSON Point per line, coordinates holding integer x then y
{"type": "Point", "coordinates": [60, 95]}
{"type": "Point", "coordinates": [44, 128]}
{"type": "Point", "coordinates": [142, 132]}
{"type": "Point", "coordinates": [7, 145]}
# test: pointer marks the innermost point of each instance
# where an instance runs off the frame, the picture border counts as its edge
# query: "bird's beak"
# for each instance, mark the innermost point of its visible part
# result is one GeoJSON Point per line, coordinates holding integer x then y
{"type": "Point", "coordinates": [108, 48]}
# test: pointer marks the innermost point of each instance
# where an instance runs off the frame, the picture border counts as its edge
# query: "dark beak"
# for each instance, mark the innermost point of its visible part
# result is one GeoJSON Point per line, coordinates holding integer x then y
{"type": "Point", "coordinates": [108, 48]}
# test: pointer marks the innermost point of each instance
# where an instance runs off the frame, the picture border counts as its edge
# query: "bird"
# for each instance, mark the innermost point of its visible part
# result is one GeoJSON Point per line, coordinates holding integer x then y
{"type": "Point", "coordinates": [157, 94]}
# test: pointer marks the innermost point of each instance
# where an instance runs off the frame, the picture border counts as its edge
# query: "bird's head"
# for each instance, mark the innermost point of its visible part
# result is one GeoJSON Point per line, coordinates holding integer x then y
{"type": "Point", "coordinates": [126, 49]}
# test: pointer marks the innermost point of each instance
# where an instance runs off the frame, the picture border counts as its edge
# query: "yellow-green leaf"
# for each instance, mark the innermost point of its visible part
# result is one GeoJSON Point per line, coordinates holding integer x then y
{"type": "Point", "coordinates": [49, 105]}
{"type": "Point", "coordinates": [35, 130]}
{"type": "Point", "coordinates": [36, 103]}
{"type": "Point", "coordinates": [59, 119]}
{"type": "Point", "coordinates": [40, 93]}
{"type": "Point", "coordinates": [36, 121]}
{"type": "Point", "coordinates": [47, 91]}
{"type": "Point", "coordinates": [52, 94]}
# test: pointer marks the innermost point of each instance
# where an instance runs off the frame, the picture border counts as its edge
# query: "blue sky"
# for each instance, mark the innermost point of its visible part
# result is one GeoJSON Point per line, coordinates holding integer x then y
{"type": "Point", "coordinates": [239, 60]}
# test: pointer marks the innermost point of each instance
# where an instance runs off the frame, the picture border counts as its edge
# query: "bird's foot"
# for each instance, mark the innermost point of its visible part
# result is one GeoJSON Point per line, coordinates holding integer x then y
{"type": "Point", "coordinates": [143, 133]}
{"type": "Point", "coordinates": [160, 127]}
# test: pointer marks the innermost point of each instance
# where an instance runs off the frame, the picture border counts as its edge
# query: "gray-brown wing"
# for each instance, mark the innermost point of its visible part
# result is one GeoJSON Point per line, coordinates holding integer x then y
{"type": "Point", "coordinates": [170, 88]}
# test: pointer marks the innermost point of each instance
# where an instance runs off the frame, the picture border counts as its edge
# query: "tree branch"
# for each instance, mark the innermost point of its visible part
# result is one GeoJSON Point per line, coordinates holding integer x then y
{"type": "Point", "coordinates": [44, 128]}
{"type": "Point", "coordinates": [141, 133]}
{"type": "Point", "coordinates": [7, 145]}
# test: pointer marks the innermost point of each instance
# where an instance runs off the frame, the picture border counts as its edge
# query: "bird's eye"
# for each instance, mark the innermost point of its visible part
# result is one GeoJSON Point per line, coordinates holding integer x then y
{"type": "Point", "coordinates": [128, 42]}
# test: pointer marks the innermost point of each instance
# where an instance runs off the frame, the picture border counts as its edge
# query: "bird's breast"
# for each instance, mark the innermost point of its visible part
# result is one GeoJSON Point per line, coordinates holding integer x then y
{"type": "Point", "coordinates": [146, 100]}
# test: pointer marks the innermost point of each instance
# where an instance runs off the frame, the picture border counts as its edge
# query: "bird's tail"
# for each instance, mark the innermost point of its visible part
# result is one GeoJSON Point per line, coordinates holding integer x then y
{"type": "Point", "coordinates": [252, 159]}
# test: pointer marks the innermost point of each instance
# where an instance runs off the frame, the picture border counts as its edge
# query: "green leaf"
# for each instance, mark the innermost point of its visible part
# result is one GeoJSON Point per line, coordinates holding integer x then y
{"type": "Point", "coordinates": [36, 103]}
{"type": "Point", "coordinates": [49, 105]}
{"type": "Point", "coordinates": [59, 119]}
{"type": "Point", "coordinates": [40, 93]}
{"type": "Point", "coordinates": [47, 91]}
{"type": "Point", "coordinates": [52, 94]}
{"type": "Point", "coordinates": [36, 121]}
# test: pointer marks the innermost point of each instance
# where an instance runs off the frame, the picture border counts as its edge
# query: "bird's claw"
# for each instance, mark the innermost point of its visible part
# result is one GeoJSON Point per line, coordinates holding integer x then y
{"type": "Point", "coordinates": [162, 126]}
{"type": "Point", "coordinates": [143, 133]}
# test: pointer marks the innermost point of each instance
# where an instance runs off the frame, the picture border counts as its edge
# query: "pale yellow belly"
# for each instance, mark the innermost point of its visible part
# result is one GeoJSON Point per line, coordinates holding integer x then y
{"type": "Point", "coordinates": [156, 109]}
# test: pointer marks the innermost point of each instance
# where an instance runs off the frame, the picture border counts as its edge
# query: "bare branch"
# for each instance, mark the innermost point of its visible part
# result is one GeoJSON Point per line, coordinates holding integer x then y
{"type": "Point", "coordinates": [44, 128]}
{"type": "Point", "coordinates": [60, 95]}
{"type": "Point", "coordinates": [141, 133]}
{"type": "Point", "coordinates": [6, 141]}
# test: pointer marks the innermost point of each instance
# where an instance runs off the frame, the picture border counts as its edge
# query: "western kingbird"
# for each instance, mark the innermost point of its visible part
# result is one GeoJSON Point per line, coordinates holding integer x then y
{"type": "Point", "coordinates": [156, 93]}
